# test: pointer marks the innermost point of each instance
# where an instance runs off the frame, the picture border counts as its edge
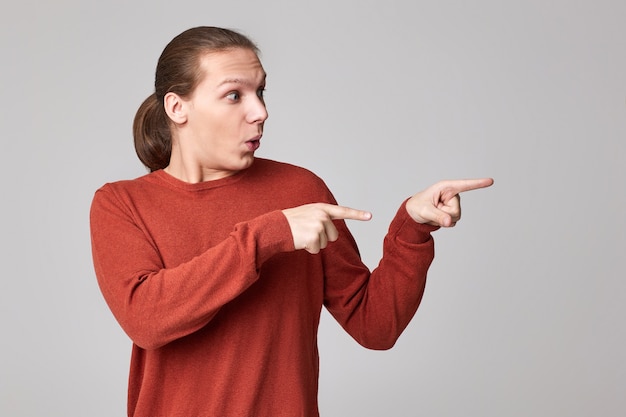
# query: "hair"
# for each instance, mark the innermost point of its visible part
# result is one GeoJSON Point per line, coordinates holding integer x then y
{"type": "Point", "coordinates": [178, 71]}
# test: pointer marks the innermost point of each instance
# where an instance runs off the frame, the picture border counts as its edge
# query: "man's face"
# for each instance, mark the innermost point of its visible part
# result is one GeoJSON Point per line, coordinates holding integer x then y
{"type": "Point", "coordinates": [225, 114]}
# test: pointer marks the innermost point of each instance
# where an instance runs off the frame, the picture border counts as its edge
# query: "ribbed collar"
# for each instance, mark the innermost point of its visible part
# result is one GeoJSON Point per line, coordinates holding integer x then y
{"type": "Point", "coordinates": [163, 178]}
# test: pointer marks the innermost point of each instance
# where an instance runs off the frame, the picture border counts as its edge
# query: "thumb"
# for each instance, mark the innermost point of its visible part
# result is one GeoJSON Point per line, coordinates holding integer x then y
{"type": "Point", "coordinates": [436, 217]}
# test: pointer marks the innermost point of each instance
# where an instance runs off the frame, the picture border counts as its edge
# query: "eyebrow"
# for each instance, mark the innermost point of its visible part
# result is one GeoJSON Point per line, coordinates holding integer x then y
{"type": "Point", "coordinates": [242, 81]}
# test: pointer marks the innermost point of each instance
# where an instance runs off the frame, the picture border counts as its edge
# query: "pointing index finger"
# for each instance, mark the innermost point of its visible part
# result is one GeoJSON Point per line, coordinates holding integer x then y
{"type": "Point", "coordinates": [470, 184]}
{"type": "Point", "coordinates": [343, 213]}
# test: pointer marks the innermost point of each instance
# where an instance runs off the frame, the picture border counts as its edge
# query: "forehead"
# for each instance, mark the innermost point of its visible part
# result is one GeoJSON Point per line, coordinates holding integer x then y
{"type": "Point", "coordinates": [240, 64]}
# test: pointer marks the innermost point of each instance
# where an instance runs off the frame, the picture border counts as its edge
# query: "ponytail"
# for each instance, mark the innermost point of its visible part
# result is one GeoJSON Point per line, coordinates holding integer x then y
{"type": "Point", "coordinates": [153, 140]}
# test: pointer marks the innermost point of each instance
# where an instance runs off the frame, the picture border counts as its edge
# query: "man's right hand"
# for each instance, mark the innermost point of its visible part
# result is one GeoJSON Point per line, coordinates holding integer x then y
{"type": "Point", "coordinates": [312, 224]}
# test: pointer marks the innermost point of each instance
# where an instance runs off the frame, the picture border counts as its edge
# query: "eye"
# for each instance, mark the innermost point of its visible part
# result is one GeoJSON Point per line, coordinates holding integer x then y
{"type": "Point", "coordinates": [234, 96]}
{"type": "Point", "coordinates": [261, 92]}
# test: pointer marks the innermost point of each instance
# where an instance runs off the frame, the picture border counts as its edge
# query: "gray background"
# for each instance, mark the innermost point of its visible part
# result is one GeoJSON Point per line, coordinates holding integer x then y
{"type": "Point", "coordinates": [525, 304]}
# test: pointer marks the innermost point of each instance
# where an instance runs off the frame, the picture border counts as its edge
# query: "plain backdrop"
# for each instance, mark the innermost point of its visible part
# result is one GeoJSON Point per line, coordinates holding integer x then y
{"type": "Point", "coordinates": [526, 300]}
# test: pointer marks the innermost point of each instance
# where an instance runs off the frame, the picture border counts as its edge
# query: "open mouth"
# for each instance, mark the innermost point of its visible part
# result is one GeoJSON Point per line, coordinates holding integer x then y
{"type": "Point", "coordinates": [253, 144]}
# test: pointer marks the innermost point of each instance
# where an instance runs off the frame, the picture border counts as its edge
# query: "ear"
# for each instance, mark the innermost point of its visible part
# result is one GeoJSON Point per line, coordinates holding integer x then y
{"type": "Point", "coordinates": [175, 107]}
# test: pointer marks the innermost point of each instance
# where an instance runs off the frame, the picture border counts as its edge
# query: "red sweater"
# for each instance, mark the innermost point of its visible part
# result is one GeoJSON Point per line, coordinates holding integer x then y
{"type": "Point", "coordinates": [222, 311]}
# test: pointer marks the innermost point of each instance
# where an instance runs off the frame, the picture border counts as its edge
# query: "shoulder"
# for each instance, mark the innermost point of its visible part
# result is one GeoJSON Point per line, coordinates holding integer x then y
{"type": "Point", "coordinates": [287, 172]}
{"type": "Point", "coordinates": [127, 184]}
{"type": "Point", "coordinates": [293, 179]}
{"type": "Point", "coordinates": [124, 189]}
{"type": "Point", "coordinates": [279, 166]}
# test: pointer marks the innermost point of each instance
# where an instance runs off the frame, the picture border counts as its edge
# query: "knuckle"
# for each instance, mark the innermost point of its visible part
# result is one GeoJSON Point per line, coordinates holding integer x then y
{"type": "Point", "coordinates": [318, 228]}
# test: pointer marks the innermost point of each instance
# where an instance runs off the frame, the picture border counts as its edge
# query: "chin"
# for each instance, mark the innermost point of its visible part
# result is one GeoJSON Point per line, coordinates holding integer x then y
{"type": "Point", "coordinates": [245, 163]}
{"type": "Point", "coordinates": [248, 161]}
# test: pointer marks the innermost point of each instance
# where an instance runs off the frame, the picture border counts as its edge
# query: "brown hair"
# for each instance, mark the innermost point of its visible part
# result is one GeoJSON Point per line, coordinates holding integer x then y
{"type": "Point", "coordinates": [178, 71]}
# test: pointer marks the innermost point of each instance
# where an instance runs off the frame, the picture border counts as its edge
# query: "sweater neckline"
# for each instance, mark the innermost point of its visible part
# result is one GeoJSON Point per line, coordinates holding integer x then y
{"type": "Point", "coordinates": [164, 178]}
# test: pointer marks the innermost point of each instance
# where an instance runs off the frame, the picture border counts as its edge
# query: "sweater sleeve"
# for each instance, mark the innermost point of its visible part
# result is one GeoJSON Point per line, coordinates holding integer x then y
{"type": "Point", "coordinates": [156, 305]}
{"type": "Point", "coordinates": [375, 308]}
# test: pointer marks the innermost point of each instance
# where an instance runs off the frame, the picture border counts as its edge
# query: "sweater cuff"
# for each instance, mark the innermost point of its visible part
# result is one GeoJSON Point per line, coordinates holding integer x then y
{"type": "Point", "coordinates": [272, 234]}
{"type": "Point", "coordinates": [408, 230]}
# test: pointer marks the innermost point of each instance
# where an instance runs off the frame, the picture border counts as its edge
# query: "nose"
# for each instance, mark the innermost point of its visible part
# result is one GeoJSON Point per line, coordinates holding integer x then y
{"type": "Point", "coordinates": [257, 113]}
